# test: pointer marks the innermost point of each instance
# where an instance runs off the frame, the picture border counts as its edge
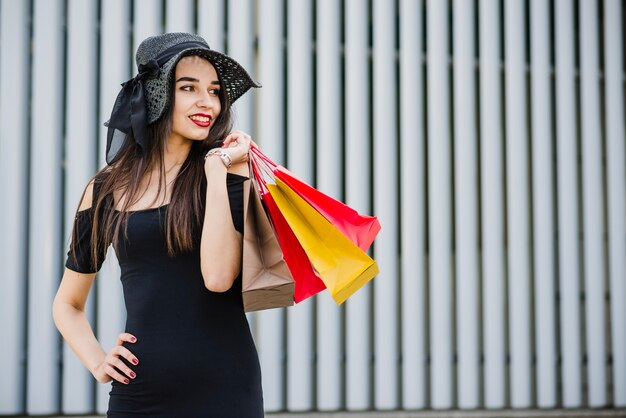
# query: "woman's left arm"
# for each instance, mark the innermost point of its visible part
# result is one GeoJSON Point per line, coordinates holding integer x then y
{"type": "Point", "coordinates": [221, 243]}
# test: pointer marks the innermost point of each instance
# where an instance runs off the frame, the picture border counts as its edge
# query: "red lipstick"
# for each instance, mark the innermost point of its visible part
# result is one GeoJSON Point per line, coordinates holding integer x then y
{"type": "Point", "coordinates": [201, 119]}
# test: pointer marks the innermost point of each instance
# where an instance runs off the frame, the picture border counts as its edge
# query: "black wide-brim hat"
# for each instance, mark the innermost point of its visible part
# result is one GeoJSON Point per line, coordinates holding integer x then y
{"type": "Point", "coordinates": [144, 98]}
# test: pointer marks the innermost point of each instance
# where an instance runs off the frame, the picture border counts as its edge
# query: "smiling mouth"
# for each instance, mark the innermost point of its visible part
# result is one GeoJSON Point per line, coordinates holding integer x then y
{"type": "Point", "coordinates": [199, 120]}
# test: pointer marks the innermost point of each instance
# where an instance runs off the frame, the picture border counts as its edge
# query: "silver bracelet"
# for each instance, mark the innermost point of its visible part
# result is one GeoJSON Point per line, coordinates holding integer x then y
{"type": "Point", "coordinates": [225, 157]}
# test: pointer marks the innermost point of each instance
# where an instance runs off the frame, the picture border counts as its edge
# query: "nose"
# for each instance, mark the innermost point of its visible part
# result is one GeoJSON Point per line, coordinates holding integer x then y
{"type": "Point", "coordinates": [207, 100]}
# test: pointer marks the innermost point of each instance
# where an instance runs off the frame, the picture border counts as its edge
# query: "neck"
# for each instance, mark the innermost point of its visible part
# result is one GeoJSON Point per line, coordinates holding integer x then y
{"type": "Point", "coordinates": [176, 151]}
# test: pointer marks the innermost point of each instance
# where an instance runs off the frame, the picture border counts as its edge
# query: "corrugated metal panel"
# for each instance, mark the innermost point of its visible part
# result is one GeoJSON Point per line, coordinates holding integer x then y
{"type": "Point", "coordinates": [491, 192]}
{"type": "Point", "coordinates": [14, 145]}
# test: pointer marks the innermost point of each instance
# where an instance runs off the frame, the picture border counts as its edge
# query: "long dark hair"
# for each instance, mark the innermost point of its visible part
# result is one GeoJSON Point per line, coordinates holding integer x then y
{"type": "Point", "coordinates": [185, 211]}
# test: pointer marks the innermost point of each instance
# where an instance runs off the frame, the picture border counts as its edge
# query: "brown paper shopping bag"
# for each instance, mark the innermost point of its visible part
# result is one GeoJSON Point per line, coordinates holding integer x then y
{"type": "Point", "coordinates": [266, 280]}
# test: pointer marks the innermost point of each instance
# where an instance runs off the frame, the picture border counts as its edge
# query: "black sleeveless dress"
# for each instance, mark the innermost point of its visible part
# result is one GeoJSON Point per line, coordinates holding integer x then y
{"type": "Point", "coordinates": [195, 350]}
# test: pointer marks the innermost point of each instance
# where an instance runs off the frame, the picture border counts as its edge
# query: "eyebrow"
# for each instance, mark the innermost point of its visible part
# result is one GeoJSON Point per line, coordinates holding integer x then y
{"type": "Point", "coordinates": [195, 80]}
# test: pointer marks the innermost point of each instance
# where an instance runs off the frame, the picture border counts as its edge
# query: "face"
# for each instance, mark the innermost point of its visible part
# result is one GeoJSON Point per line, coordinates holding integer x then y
{"type": "Point", "coordinates": [196, 101]}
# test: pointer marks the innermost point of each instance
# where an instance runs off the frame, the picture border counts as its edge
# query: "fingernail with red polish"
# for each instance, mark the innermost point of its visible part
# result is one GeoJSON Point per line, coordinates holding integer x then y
{"type": "Point", "coordinates": [135, 361]}
{"type": "Point", "coordinates": [133, 339]}
{"type": "Point", "coordinates": [132, 375]}
{"type": "Point", "coordinates": [126, 381]}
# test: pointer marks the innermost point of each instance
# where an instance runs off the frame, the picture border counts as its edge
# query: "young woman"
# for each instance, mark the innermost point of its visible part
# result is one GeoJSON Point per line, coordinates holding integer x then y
{"type": "Point", "coordinates": [170, 201]}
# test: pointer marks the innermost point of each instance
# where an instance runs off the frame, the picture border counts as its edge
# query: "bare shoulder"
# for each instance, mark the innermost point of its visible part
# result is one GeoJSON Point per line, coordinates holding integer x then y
{"type": "Point", "coordinates": [87, 199]}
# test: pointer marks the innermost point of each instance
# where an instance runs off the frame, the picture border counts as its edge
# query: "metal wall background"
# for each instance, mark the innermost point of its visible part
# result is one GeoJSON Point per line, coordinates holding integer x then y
{"type": "Point", "coordinates": [488, 136]}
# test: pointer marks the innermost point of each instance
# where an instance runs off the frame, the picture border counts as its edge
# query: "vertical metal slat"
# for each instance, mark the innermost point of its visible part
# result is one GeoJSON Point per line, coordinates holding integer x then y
{"type": "Point", "coordinates": [300, 321]}
{"type": "Point", "coordinates": [593, 207]}
{"type": "Point", "coordinates": [413, 207]}
{"type": "Point", "coordinates": [519, 274]}
{"type": "Point", "coordinates": [329, 175]}
{"type": "Point", "coordinates": [616, 189]}
{"type": "Point", "coordinates": [358, 383]}
{"type": "Point", "coordinates": [14, 112]}
{"type": "Point", "coordinates": [45, 235]}
{"type": "Point", "coordinates": [567, 189]}
{"type": "Point", "coordinates": [270, 324]}
{"type": "Point", "coordinates": [385, 207]}
{"type": "Point", "coordinates": [148, 21]}
{"type": "Point", "coordinates": [179, 16]}
{"type": "Point", "coordinates": [115, 52]}
{"type": "Point", "coordinates": [240, 44]}
{"type": "Point", "coordinates": [80, 158]}
{"type": "Point", "coordinates": [492, 204]}
{"type": "Point", "coordinates": [439, 206]}
{"type": "Point", "coordinates": [466, 207]}
{"type": "Point", "coordinates": [212, 22]}
{"type": "Point", "coordinates": [543, 210]}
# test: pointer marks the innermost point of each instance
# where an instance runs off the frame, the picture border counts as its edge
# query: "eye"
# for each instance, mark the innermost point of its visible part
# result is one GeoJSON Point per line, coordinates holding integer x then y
{"type": "Point", "coordinates": [187, 88]}
{"type": "Point", "coordinates": [214, 92]}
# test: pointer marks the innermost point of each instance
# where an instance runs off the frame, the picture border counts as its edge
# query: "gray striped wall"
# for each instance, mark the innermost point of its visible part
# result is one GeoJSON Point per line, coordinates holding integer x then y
{"type": "Point", "coordinates": [488, 136]}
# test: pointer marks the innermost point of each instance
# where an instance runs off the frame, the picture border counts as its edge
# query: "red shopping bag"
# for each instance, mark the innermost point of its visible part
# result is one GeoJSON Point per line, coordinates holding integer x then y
{"type": "Point", "coordinates": [360, 229]}
{"type": "Point", "coordinates": [307, 281]}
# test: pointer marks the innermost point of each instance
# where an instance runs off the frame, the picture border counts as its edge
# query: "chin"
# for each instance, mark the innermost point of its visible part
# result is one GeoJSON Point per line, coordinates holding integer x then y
{"type": "Point", "coordinates": [198, 139]}
{"type": "Point", "coordinates": [198, 136]}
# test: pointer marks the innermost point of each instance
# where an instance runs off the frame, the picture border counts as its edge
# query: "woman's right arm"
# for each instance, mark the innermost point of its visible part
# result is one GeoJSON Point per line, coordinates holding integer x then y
{"type": "Point", "coordinates": [68, 311]}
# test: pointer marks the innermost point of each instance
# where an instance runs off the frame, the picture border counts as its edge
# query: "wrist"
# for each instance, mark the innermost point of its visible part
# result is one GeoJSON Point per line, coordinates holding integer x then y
{"type": "Point", "coordinates": [225, 157]}
{"type": "Point", "coordinates": [214, 166]}
{"type": "Point", "coordinates": [93, 368]}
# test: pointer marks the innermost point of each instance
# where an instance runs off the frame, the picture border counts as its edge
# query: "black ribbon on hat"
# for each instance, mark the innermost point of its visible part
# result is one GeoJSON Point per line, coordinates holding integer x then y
{"type": "Point", "coordinates": [129, 113]}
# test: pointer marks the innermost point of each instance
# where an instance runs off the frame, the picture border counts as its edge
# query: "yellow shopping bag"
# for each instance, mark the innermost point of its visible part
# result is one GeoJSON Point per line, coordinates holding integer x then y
{"type": "Point", "coordinates": [342, 265]}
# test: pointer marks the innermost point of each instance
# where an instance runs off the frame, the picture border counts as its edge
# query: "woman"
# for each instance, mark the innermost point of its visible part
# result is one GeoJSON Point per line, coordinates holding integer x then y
{"type": "Point", "coordinates": [170, 201]}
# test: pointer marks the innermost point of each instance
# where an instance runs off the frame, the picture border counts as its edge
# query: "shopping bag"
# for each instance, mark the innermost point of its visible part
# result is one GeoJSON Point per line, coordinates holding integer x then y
{"type": "Point", "coordinates": [308, 282]}
{"type": "Point", "coordinates": [266, 280]}
{"type": "Point", "coordinates": [360, 229]}
{"type": "Point", "coordinates": [342, 265]}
